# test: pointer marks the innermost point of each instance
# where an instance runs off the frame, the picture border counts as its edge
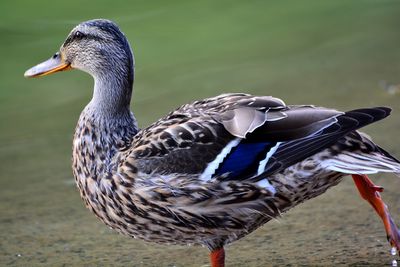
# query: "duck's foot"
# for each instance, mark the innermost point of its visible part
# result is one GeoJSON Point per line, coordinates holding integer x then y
{"type": "Point", "coordinates": [217, 257]}
{"type": "Point", "coordinates": [370, 192]}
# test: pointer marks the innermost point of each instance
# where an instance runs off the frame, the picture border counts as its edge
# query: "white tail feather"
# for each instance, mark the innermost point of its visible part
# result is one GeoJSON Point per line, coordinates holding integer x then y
{"type": "Point", "coordinates": [350, 163]}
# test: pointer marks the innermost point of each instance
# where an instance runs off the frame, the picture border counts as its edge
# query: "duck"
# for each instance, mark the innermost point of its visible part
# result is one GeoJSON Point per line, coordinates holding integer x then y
{"type": "Point", "coordinates": [211, 171]}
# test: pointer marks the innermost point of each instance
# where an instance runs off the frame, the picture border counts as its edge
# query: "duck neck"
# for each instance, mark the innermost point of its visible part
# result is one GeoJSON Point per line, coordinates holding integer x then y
{"type": "Point", "coordinates": [108, 113]}
{"type": "Point", "coordinates": [109, 110]}
{"type": "Point", "coordinates": [112, 93]}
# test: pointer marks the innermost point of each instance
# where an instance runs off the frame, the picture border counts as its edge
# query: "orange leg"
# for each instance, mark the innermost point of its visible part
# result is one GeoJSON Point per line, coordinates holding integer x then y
{"type": "Point", "coordinates": [217, 257]}
{"type": "Point", "coordinates": [370, 192]}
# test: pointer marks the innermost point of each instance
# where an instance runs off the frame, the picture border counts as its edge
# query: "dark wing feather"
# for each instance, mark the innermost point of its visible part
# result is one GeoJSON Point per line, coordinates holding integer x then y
{"type": "Point", "coordinates": [294, 151]}
{"type": "Point", "coordinates": [300, 121]}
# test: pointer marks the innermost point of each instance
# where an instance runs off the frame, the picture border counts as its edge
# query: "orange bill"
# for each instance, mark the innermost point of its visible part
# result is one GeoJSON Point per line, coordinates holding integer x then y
{"type": "Point", "coordinates": [54, 64]}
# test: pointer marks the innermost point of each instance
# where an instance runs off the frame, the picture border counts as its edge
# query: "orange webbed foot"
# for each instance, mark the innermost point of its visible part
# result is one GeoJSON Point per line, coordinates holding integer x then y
{"type": "Point", "coordinates": [370, 192]}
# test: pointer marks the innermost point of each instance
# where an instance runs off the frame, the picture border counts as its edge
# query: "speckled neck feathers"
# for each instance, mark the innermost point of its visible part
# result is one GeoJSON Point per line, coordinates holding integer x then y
{"type": "Point", "coordinates": [106, 125]}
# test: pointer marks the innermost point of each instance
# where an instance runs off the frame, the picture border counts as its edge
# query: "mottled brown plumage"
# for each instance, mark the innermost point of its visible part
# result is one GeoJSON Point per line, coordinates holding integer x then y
{"type": "Point", "coordinates": [211, 171]}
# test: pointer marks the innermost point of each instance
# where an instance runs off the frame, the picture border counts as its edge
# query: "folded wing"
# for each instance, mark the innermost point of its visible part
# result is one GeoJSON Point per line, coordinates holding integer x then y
{"type": "Point", "coordinates": [240, 137]}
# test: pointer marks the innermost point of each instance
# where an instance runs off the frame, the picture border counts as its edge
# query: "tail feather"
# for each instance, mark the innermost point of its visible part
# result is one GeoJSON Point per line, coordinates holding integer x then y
{"type": "Point", "coordinates": [362, 163]}
{"type": "Point", "coordinates": [356, 153]}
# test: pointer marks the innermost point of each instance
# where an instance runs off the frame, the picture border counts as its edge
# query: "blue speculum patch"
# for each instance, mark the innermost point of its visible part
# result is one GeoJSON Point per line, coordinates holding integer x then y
{"type": "Point", "coordinates": [244, 159]}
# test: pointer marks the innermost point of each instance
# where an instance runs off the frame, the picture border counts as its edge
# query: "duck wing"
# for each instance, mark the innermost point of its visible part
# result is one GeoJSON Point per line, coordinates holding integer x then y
{"type": "Point", "coordinates": [240, 137]}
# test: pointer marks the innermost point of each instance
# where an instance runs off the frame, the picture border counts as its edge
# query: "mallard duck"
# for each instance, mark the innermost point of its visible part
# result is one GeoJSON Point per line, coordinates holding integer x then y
{"type": "Point", "coordinates": [214, 170]}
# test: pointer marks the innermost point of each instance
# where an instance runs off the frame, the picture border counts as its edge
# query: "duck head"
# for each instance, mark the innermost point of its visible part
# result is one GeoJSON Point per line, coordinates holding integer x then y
{"type": "Point", "coordinates": [97, 47]}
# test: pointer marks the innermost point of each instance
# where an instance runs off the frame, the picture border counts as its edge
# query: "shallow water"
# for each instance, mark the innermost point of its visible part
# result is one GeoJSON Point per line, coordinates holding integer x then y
{"type": "Point", "coordinates": [329, 53]}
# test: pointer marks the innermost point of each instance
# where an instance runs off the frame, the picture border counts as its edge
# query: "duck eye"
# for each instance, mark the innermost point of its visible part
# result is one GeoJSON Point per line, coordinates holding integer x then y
{"type": "Point", "coordinates": [78, 35]}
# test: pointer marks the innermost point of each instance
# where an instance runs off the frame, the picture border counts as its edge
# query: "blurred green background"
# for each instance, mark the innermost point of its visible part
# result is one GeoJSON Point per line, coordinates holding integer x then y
{"type": "Point", "coordinates": [340, 54]}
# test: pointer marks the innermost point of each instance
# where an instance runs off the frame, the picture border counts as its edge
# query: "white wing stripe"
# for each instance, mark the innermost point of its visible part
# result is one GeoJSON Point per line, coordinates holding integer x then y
{"type": "Point", "coordinates": [213, 165]}
{"type": "Point", "coordinates": [263, 163]}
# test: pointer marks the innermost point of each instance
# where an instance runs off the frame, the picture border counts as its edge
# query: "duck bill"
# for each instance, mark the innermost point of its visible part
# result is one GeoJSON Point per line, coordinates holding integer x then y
{"type": "Point", "coordinates": [52, 65]}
